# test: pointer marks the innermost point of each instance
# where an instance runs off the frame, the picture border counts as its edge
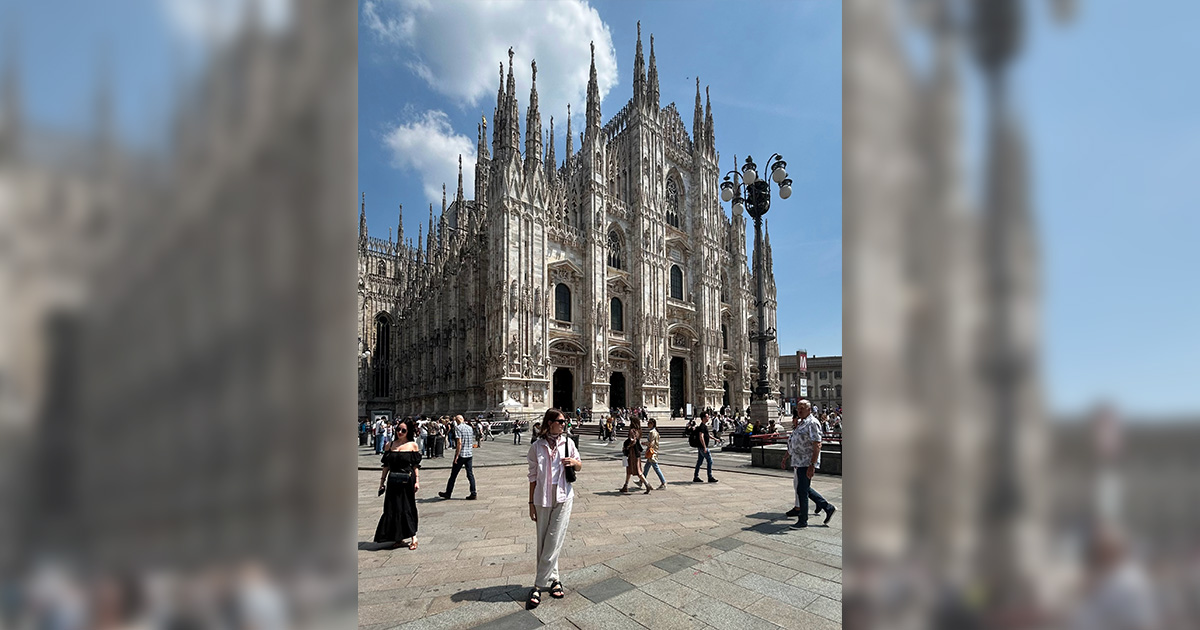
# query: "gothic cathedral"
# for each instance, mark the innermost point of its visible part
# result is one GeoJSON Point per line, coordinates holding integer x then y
{"type": "Point", "coordinates": [612, 279]}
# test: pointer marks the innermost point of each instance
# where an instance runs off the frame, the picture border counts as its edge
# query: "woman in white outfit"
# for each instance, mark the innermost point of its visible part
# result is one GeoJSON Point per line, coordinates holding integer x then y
{"type": "Point", "coordinates": [550, 495]}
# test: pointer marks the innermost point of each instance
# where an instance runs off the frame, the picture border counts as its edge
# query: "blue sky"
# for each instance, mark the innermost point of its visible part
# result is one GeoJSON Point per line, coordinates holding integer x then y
{"type": "Point", "coordinates": [775, 87]}
{"type": "Point", "coordinates": [1113, 115]}
{"type": "Point", "coordinates": [1108, 101]}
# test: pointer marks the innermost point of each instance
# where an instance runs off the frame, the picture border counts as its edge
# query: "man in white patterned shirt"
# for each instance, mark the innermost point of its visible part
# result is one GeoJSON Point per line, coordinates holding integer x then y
{"type": "Point", "coordinates": [804, 455]}
{"type": "Point", "coordinates": [462, 457]}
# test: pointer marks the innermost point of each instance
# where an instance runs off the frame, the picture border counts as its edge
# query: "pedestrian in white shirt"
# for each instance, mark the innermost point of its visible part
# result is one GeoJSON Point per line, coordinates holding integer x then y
{"type": "Point", "coordinates": [804, 457]}
{"type": "Point", "coordinates": [551, 453]}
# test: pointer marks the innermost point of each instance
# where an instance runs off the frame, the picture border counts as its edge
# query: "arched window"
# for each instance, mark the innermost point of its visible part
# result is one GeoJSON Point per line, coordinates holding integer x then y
{"type": "Point", "coordinates": [614, 250]}
{"type": "Point", "coordinates": [672, 199]}
{"type": "Point", "coordinates": [381, 358]}
{"type": "Point", "coordinates": [381, 269]}
{"type": "Point", "coordinates": [676, 282]}
{"type": "Point", "coordinates": [724, 287]}
{"type": "Point", "coordinates": [562, 303]}
{"type": "Point", "coordinates": [617, 315]}
{"type": "Point", "coordinates": [724, 337]}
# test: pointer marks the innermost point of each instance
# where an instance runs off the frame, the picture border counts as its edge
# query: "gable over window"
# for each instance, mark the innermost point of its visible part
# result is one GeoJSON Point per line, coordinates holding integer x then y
{"type": "Point", "coordinates": [672, 199]}
{"type": "Point", "coordinates": [614, 250]}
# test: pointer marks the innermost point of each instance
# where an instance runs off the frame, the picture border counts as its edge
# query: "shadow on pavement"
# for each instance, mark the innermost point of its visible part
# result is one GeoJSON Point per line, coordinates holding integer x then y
{"type": "Point", "coordinates": [374, 546]}
{"type": "Point", "coordinates": [501, 593]}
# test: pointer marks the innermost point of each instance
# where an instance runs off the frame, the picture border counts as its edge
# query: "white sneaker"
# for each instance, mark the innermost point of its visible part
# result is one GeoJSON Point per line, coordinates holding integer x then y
{"type": "Point", "coordinates": [662, 487]}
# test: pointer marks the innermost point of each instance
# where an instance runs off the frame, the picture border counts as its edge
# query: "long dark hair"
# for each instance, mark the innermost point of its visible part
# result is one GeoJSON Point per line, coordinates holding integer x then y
{"type": "Point", "coordinates": [552, 413]}
{"type": "Point", "coordinates": [409, 435]}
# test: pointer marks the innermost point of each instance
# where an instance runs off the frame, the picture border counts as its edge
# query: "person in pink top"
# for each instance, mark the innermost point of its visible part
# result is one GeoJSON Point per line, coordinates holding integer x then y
{"type": "Point", "coordinates": [550, 496]}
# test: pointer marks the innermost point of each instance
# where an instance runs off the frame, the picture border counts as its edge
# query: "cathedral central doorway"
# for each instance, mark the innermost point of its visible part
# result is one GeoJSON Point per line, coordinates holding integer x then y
{"type": "Point", "coordinates": [564, 389]}
{"type": "Point", "coordinates": [616, 390]}
{"type": "Point", "coordinates": [678, 383]}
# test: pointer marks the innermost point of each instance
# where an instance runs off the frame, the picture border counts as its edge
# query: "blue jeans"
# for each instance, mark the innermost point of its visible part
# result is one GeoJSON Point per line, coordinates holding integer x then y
{"type": "Point", "coordinates": [702, 455]}
{"type": "Point", "coordinates": [804, 492]}
{"type": "Point", "coordinates": [463, 462]}
{"type": "Point", "coordinates": [379, 444]}
{"type": "Point", "coordinates": [649, 465]}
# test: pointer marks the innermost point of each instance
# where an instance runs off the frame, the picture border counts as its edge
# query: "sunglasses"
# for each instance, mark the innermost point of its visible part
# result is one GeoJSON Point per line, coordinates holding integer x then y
{"type": "Point", "coordinates": [401, 430]}
{"type": "Point", "coordinates": [559, 420]}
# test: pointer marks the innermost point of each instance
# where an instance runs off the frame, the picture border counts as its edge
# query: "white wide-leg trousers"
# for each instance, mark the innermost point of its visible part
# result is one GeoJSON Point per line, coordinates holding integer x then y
{"type": "Point", "coordinates": [551, 532]}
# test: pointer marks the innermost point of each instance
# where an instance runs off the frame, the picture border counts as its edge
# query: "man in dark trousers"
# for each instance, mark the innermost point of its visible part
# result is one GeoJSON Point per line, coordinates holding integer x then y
{"type": "Point", "coordinates": [701, 442]}
{"type": "Point", "coordinates": [804, 456]}
{"type": "Point", "coordinates": [462, 457]}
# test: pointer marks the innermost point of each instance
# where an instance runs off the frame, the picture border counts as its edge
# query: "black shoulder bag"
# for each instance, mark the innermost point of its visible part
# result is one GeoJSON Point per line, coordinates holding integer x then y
{"type": "Point", "coordinates": [568, 471]}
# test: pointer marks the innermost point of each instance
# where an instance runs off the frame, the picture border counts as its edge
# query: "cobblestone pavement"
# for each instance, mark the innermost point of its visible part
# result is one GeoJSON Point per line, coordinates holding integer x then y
{"type": "Point", "coordinates": [692, 556]}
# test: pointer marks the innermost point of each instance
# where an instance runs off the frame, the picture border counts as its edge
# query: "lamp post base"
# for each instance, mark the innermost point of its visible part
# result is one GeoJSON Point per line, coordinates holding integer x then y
{"type": "Point", "coordinates": [763, 412]}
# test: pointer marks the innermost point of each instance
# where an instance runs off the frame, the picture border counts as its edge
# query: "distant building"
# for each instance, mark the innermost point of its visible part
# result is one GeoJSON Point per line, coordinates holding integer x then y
{"type": "Point", "coordinates": [793, 376]}
{"type": "Point", "coordinates": [819, 379]}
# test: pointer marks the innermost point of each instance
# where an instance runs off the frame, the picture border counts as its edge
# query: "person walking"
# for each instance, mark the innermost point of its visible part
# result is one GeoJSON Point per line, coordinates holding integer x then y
{"type": "Point", "coordinates": [422, 437]}
{"type": "Point", "coordinates": [632, 449]}
{"type": "Point", "coordinates": [612, 429]}
{"type": "Point", "coordinates": [701, 442]}
{"type": "Point", "coordinates": [518, 427]}
{"type": "Point", "coordinates": [551, 453]}
{"type": "Point", "coordinates": [804, 456]}
{"type": "Point", "coordinates": [439, 438]}
{"type": "Point", "coordinates": [451, 434]}
{"type": "Point", "coordinates": [462, 457]}
{"type": "Point", "coordinates": [379, 431]}
{"type": "Point", "coordinates": [399, 484]}
{"type": "Point", "coordinates": [652, 455]}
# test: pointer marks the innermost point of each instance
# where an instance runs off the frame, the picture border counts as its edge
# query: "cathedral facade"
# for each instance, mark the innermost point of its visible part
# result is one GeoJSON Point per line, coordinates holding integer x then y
{"type": "Point", "coordinates": [612, 278]}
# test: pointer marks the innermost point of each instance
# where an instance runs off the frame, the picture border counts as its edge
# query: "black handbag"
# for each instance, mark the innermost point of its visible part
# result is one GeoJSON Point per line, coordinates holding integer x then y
{"type": "Point", "coordinates": [399, 476]}
{"type": "Point", "coordinates": [568, 471]}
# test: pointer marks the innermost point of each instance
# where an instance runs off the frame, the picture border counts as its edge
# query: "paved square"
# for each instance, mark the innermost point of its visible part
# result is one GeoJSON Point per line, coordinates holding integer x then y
{"type": "Point", "coordinates": [691, 556]}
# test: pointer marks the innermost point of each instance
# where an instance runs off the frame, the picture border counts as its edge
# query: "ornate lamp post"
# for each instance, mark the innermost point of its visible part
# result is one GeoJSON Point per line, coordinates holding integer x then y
{"type": "Point", "coordinates": [751, 193]}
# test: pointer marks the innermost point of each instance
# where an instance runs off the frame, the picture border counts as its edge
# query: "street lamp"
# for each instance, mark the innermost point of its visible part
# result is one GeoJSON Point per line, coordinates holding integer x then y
{"type": "Point", "coordinates": [751, 193]}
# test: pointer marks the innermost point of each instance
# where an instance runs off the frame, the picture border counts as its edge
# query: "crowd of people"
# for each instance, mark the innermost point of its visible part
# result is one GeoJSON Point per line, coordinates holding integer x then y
{"type": "Point", "coordinates": [553, 460]}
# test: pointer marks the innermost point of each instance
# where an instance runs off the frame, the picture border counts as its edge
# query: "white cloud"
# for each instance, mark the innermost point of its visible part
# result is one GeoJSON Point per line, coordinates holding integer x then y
{"type": "Point", "coordinates": [428, 145]}
{"type": "Point", "coordinates": [456, 47]}
{"type": "Point", "coordinates": [216, 21]}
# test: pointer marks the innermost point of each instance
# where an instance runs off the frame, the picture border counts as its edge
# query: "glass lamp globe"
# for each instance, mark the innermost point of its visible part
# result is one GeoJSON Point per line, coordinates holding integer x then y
{"type": "Point", "coordinates": [779, 175]}
{"type": "Point", "coordinates": [738, 208]}
{"type": "Point", "coordinates": [785, 191]}
{"type": "Point", "coordinates": [726, 193]}
{"type": "Point", "coordinates": [749, 176]}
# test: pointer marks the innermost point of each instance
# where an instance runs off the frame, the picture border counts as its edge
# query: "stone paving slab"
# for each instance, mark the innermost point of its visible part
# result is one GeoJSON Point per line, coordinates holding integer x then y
{"type": "Point", "coordinates": [521, 620]}
{"type": "Point", "coordinates": [675, 563]}
{"type": "Point", "coordinates": [730, 560]}
{"type": "Point", "coordinates": [607, 589]}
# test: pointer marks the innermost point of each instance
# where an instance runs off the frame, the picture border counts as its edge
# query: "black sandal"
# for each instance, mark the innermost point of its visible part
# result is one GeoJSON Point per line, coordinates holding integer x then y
{"type": "Point", "coordinates": [535, 598]}
{"type": "Point", "coordinates": [556, 589]}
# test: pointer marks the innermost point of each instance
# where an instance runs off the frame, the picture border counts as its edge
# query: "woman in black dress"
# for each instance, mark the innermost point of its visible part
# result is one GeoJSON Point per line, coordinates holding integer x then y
{"type": "Point", "coordinates": [401, 466]}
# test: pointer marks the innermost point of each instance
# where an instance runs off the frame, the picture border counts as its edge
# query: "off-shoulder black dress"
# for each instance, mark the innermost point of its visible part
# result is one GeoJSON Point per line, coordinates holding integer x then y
{"type": "Point", "coordinates": [399, 520]}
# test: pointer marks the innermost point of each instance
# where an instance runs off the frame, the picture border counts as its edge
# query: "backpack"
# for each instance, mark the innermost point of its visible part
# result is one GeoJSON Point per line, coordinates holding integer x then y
{"type": "Point", "coordinates": [693, 436]}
